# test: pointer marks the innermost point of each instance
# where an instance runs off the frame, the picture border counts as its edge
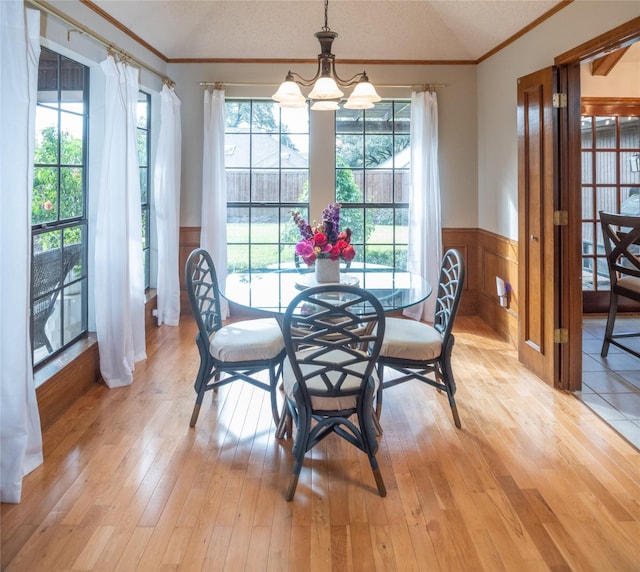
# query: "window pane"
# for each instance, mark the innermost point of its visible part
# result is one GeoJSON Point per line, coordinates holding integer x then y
{"type": "Point", "coordinates": [265, 225]}
{"type": "Point", "coordinates": [606, 167]}
{"type": "Point", "coordinates": [379, 151]}
{"type": "Point", "coordinates": [588, 203]}
{"type": "Point", "coordinates": [46, 149]}
{"type": "Point", "coordinates": [144, 181]}
{"type": "Point", "coordinates": [71, 195]}
{"type": "Point", "coordinates": [586, 126]}
{"type": "Point", "coordinates": [379, 186]}
{"type": "Point", "coordinates": [630, 132]}
{"type": "Point", "coordinates": [349, 151]}
{"type": "Point", "coordinates": [606, 198]}
{"type": "Point", "coordinates": [265, 115]}
{"type": "Point", "coordinates": [44, 201]}
{"type": "Point", "coordinates": [142, 148]}
{"type": "Point", "coordinates": [605, 132]}
{"type": "Point", "coordinates": [629, 163]}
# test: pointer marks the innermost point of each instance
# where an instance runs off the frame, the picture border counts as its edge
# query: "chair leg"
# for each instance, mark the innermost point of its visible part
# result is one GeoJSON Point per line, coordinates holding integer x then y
{"type": "Point", "coordinates": [202, 385]}
{"type": "Point", "coordinates": [284, 425]}
{"type": "Point", "coordinates": [611, 320]}
{"type": "Point", "coordinates": [450, 385]}
{"type": "Point", "coordinates": [293, 483]}
{"type": "Point", "coordinates": [295, 475]}
{"type": "Point", "coordinates": [377, 475]}
{"type": "Point", "coordinates": [379, 395]}
{"type": "Point", "coordinates": [273, 387]}
{"type": "Point", "coordinates": [194, 415]}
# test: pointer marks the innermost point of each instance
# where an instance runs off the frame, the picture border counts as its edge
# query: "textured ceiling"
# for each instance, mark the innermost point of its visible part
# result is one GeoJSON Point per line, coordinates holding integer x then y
{"type": "Point", "coordinates": [415, 30]}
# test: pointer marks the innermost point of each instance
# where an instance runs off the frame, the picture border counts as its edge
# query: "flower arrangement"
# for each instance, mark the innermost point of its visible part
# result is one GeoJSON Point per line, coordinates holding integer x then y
{"type": "Point", "coordinates": [323, 240]}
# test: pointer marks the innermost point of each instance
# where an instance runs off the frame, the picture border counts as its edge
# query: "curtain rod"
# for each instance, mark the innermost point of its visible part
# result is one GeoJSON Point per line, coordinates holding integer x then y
{"type": "Point", "coordinates": [414, 87]}
{"type": "Point", "coordinates": [111, 48]}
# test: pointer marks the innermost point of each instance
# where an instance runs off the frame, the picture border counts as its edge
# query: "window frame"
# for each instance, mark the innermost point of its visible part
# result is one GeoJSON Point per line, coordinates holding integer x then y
{"type": "Point", "coordinates": [65, 226]}
{"type": "Point", "coordinates": [398, 248]}
{"type": "Point", "coordinates": [285, 244]}
{"type": "Point", "coordinates": [593, 184]}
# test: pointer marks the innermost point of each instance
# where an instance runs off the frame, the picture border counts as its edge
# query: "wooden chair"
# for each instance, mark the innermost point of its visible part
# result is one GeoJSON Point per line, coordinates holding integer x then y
{"type": "Point", "coordinates": [49, 271]}
{"type": "Point", "coordinates": [419, 351]}
{"type": "Point", "coordinates": [621, 235]}
{"type": "Point", "coordinates": [329, 375]}
{"type": "Point", "coordinates": [237, 351]}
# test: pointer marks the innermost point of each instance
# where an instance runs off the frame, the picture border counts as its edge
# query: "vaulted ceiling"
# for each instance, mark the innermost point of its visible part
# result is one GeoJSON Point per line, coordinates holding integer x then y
{"type": "Point", "coordinates": [378, 30]}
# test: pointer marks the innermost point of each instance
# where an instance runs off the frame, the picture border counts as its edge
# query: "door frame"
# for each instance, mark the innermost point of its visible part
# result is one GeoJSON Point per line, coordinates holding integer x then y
{"type": "Point", "coordinates": [570, 199]}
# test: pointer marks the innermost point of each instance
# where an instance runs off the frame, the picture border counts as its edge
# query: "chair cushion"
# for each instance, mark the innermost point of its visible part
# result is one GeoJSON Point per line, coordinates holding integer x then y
{"type": "Point", "coordinates": [248, 340]}
{"type": "Point", "coordinates": [629, 283]}
{"type": "Point", "coordinates": [408, 339]}
{"type": "Point", "coordinates": [320, 403]}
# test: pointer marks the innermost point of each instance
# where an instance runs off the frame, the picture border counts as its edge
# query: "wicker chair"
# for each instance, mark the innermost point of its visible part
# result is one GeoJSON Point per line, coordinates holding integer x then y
{"type": "Point", "coordinates": [49, 270]}
{"type": "Point", "coordinates": [416, 350]}
{"type": "Point", "coordinates": [332, 335]}
{"type": "Point", "coordinates": [240, 350]}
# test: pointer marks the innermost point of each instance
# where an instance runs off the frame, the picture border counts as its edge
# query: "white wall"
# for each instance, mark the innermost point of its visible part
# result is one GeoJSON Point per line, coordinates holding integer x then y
{"type": "Point", "coordinates": [579, 22]}
{"type": "Point", "coordinates": [457, 124]}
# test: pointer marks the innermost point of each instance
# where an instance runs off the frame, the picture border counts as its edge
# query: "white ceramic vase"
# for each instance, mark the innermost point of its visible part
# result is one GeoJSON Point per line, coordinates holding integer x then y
{"type": "Point", "coordinates": [327, 270]}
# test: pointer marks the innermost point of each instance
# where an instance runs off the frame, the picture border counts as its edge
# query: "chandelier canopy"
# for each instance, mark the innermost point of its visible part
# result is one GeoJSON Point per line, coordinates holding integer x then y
{"type": "Point", "coordinates": [326, 83]}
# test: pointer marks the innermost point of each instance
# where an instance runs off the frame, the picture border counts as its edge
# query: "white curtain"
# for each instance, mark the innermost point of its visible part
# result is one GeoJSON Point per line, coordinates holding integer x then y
{"type": "Point", "coordinates": [167, 207]}
{"type": "Point", "coordinates": [425, 226]}
{"type": "Point", "coordinates": [119, 272]}
{"type": "Point", "coordinates": [20, 433]}
{"type": "Point", "coordinates": [213, 233]}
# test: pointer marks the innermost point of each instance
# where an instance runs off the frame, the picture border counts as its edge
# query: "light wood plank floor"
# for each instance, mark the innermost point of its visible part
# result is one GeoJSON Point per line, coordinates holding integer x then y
{"type": "Point", "coordinates": [533, 481]}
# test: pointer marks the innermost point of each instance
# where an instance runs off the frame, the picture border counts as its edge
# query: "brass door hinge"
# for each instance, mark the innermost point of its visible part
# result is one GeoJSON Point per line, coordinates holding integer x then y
{"type": "Point", "coordinates": [559, 100]}
{"type": "Point", "coordinates": [561, 336]}
{"type": "Point", "coordinates": [560, 218]}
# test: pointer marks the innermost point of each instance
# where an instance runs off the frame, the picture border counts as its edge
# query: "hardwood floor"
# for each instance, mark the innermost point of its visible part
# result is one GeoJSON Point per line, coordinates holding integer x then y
{"type": "Point", "coordinates": [533, 480]}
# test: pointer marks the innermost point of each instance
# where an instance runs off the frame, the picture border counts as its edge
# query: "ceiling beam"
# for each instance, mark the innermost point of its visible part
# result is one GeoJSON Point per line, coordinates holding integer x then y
{"type": "Point", "coordinates": [602, 66]}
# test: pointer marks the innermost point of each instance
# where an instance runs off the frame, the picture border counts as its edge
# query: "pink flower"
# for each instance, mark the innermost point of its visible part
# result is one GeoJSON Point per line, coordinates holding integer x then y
{"type": "Point", "coordinates": [47, 205]}
{"type": "Point", "coordinates": [325, 238]}
{"type": "Point", "coordinates": [305, 249]}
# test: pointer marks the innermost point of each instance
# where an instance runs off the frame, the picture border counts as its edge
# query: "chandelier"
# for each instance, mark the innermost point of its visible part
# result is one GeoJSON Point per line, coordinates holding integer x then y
{"type": "Point", "coordinates": [326, 83]}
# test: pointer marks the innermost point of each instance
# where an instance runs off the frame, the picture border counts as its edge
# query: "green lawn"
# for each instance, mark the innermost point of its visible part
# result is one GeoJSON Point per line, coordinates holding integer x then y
{"type": "Point", "coordinates": [264, 250]}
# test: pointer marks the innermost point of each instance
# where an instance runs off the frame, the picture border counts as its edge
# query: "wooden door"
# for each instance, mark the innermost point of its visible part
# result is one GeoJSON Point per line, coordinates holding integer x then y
{"type": "Point", "coordinates": [538, 260]}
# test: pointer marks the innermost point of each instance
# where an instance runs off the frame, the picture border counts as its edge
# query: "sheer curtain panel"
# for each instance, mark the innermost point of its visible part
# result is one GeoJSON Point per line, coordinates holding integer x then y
{"type": "Point", "coordinates": [20, 433]}
{"type": "Point", "coordinates": [213, 232]}
{"type": "Point", "coordinates": [119, 272]}
{"type": "Point", "coordinates": [425, 226]}
{"type": "Point", "coordinates": [167, 207]}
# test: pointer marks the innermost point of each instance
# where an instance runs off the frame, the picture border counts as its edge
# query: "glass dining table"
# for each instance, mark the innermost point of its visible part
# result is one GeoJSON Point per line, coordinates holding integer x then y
{"type": "Point", "coordinates": [271, 290]}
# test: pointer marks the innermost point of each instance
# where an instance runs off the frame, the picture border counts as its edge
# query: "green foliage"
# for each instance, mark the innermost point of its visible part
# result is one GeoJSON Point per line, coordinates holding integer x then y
{"type": "Point", "coordinates": [347, 191]}
{"type": "Point", "coordinates": [50, 204]}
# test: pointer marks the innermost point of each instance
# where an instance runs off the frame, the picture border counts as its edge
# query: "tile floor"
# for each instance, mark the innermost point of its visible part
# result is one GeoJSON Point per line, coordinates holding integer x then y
{"type": "Point", "coordinates": [611, 385]}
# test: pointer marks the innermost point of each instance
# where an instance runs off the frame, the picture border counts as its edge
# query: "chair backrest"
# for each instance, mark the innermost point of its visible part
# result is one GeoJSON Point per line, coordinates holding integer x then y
{"type": "Point", "coordinates": [451, 283]}
{"type": "Point", "coordinates": [332, 335]}
{"type": "Point", "coordinates": [621, 235]}
{"type": "Point", "coordinates": [202, 287]}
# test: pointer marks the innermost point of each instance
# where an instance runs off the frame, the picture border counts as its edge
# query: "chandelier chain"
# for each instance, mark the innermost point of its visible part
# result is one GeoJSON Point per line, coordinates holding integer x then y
{"type": "Point", "coordinates": [326, 28]}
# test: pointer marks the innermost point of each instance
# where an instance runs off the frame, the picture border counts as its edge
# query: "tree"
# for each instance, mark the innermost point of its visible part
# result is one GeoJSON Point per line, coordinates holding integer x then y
{"type": "Point", "coordinates": [50, 203]}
